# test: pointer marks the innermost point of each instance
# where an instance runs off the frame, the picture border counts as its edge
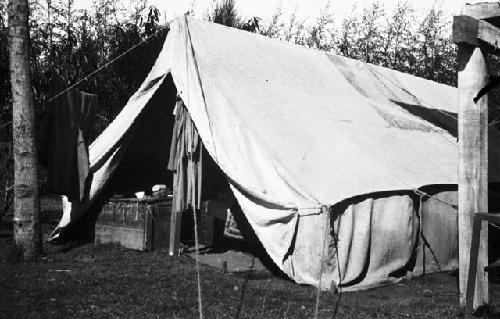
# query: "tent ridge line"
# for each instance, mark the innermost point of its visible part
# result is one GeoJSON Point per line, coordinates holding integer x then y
{"type": "Point", "coordinates": [198, 76]}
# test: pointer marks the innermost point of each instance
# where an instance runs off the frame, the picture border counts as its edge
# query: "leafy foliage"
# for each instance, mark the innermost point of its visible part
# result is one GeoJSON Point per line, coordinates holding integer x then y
{"type": "Point", "coordinates": [435, 51]}
{"type": "Point", "coordinates": [322, 32]}
{"type": "Point", "coordinates": [397, 40]}
{"type": "Point", "coordinates": [73, 43]}
{"type": "Point", "coordinates": [225, 13]}
{"type": "Point", "coordinates": [370, 35]}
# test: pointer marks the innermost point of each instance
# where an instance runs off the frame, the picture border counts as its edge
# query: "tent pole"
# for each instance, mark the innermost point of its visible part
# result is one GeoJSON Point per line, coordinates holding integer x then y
{"type": "Point", "coordinates": [175, 225]}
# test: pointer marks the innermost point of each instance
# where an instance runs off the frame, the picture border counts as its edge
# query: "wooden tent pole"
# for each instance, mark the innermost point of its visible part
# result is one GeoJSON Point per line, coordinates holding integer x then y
{"type": "Point", "coordinates": [472, 166]}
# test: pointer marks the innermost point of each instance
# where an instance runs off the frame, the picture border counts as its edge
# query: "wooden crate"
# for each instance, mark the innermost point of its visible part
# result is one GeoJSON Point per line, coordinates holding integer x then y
{"type": "Point", "coordinates": [212, 219]}
{"type": "Point", "coordinates": [162, 213]}
{"type": "Point", "coordinates": [141, 224]}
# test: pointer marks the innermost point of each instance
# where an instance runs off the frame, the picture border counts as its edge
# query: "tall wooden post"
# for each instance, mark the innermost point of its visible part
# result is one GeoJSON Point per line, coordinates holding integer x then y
{"type": "Point", "coordinates": [472, 166]}
{"type": "Point", "coordinates": [475, 32]}
{"type": "Point", "coordinates": [26, 202]}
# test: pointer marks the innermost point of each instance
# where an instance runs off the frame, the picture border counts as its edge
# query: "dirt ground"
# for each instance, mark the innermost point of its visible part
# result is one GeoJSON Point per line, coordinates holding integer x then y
{"type": "Point", "coordinates": [108, 281]}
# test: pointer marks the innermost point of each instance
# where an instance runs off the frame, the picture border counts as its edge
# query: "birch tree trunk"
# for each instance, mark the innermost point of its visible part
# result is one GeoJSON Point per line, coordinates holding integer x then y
{"type": "Point", "coordinates": [27, 233]}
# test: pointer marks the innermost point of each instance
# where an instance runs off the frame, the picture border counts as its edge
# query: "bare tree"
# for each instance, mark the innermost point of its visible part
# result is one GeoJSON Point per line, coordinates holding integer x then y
{"type": "Point", "coordinates": [27, 233]}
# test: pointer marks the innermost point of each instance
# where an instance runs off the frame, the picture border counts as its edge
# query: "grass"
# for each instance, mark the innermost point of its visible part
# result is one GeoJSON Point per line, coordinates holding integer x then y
{"type": "Point", "coordinates": [107, 281]}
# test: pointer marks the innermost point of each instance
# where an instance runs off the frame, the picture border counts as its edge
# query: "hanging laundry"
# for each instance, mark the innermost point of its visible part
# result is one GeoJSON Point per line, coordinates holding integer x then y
{"type": "Point", "coordinates": [69, 118]}
{"type": "Point", "coordinates": [185, 160]}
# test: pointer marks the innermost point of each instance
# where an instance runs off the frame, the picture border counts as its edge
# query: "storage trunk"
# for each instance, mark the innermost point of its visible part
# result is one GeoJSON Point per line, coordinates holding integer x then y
{"type": "Point", "coordinates": [141, 224]}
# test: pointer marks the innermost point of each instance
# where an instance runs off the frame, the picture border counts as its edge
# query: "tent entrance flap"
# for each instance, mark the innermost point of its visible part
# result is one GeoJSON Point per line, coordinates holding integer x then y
{"type": "Point", "coordinates": [130, 155]}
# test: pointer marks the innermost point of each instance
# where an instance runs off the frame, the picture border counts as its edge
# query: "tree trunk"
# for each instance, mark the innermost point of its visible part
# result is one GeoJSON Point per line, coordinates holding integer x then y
{"type": "Point", "coordinates": [27, 233]}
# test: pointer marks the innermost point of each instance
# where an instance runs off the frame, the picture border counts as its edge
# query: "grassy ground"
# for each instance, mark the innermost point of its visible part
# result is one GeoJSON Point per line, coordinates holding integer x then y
{"type": "Point", "coordinates": [107, 281]}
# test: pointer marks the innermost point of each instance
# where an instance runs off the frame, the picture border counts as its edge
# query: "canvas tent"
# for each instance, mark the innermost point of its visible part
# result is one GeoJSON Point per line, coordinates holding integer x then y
{"type": "Point", "coordinates": [325, 155]}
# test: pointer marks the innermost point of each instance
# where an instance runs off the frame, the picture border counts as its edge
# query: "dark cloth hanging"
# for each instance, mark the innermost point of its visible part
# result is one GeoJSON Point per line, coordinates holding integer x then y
{"type": "Point", "coordinates": [185, 160]}
{"type": "Point", "coordinates": [69, 118]}
{"type": "Point", "coordinates": [87, 111]}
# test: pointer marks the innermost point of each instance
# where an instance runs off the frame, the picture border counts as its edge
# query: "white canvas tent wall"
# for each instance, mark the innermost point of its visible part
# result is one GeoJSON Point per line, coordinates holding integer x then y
{"type": "Point", "coordinates": [296, 129]}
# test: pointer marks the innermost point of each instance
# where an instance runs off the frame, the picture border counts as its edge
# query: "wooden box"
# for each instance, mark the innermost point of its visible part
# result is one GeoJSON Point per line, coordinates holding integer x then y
{"type": "Point", "coordinates": [141, 224]}
{"type": "Point", "coordinates": [213, 217]}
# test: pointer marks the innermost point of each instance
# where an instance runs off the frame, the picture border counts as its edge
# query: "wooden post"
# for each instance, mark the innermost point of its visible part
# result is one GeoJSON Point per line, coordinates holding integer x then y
{"type": "Point", "coordinates": [26, 202]}
{"type": "Point", "coordinates": [475, 31]}
{"type": "Point", "coordinates": [175, 232]}
{"type": "Point", "coordinates": [175, 222]}
{"type": "Point", "coordinates": [472, 166]}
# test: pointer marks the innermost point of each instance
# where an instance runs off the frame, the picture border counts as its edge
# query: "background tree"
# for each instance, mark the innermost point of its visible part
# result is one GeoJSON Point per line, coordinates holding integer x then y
{"type": "Point", "coordinates": [347, 36]}
{"type": "Point", "coordinates": [224, 12]}
{"type": "Point", "coordinates": [398, 41]}
{"type": "Point", "coordinates": [322, 34]}
{"type": "Point", "coordinates": [294, 30]}
{"type": "Point", "coordinates": [77, 42]}
{"type": "Point", "coordinates": [6, 163]}
{"type": "Point", "coordinates": [435, 53]}
{"type": "Point", "coordinates": [370, 32]}
{"type": "Point", "coordinates": [273, 28]}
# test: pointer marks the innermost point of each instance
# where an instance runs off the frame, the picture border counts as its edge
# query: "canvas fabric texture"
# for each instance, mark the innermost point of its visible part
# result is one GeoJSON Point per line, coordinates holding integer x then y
{"type": "Point", "coordinates": [433, 253]}
{"type": "Point", "coordinates": [296, 130]}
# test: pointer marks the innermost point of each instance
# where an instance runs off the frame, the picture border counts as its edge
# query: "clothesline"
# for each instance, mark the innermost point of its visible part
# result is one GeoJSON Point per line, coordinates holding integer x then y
{"type": "Point", "coordinates": [91, 74]}
{"type": "Point", "coordinates": [105, 65]}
